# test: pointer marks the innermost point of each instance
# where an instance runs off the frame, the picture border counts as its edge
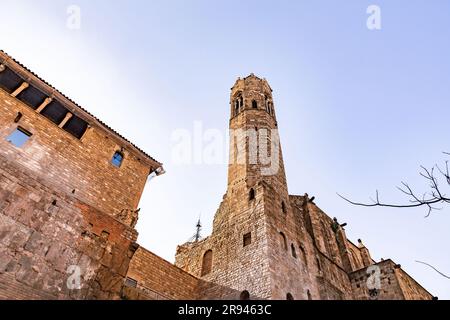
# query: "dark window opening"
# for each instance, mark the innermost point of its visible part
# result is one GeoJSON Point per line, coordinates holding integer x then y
{"type": "Point", "coordinates": [9, 81]}
{"type": "Point", "coordinates": [289, 296]}
{"type": "Point", "coordinates": [55, 112]}
{"type": "Point", "coordinates": [251, 195]}
{"type": "Point", "coordinates": [309, 295]}
{"type": "Point", "coordinates": [54, 202]}
{"type": "Point", "coordinates": [245, 295]}
{"type": "Point", "coordinates": [129, 282]}
{"type": "Point", "coordinates": [207, 263]}
{"type": "Point", "coordinates": [254, 104]}
{"type": "Point", "coordinates": [76, 126]}
{"type": "Point", "coordinates": [238, 104]}
{"type": "Point", "coordinates": [283, 241]}
{"type": "Point", "coordinates": [32, 97]}
{"type": "Point", "coordinates": [19, 137]}
{"type": "Point", "coordinates": [117, 159]}
{"type": "Point", "coordinates": [294, 253]}
{"type": "Point", "coordinates": [247, 239]}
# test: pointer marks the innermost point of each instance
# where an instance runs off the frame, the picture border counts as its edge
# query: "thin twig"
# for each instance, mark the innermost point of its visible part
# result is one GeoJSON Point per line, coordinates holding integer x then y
{"type": "Point", "coordinates": [429, 265]}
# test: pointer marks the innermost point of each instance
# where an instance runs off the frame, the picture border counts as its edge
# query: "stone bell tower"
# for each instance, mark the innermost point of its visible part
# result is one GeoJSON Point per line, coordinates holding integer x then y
{"type": "Point", "coordinates": [237, 254]}
{"type": "Point", "coordinates": [255, 153]}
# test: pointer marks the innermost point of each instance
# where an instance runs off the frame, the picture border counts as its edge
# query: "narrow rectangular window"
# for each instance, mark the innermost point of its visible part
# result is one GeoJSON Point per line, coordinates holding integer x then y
{"type": "Point", "coordinates": [19, 137]}
{"type": "Point", "coordinates": [247, 239]}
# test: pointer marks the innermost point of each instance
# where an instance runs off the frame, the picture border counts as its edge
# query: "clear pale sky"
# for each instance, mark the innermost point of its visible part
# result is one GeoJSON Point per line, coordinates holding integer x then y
{"type": "Point", "coordinates": [358, 110]}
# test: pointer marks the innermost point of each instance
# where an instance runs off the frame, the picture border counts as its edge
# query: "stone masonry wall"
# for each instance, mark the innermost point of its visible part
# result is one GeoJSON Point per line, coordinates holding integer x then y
{"type": "Point", "coordinates": [43, 232]}
{"type": "Point", "coordinates": [159, 279]}
{"type": "Point", "coordinates": [235, 267]}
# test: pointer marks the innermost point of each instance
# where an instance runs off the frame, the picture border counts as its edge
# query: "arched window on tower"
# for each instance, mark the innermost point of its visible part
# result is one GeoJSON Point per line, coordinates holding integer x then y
{"type": "Point", "coordinates": [207, 263]}
{"type": "Point", "coordinates": [251, 194]}
{"type": "Point", "coordinates": [254, 104]}
{"type": "Point", "coordinates": [289, 296]}
{"type": "Point", "coordinates": [294, 253]}
{"type": "Point", "coordinates": [308, 293]}
{"type": "Point", "coordinates": [283, 241]}
{"type": "Point", "coordinates": [245, 295]}
{"type": "Point", "coordinates": [238, 103]}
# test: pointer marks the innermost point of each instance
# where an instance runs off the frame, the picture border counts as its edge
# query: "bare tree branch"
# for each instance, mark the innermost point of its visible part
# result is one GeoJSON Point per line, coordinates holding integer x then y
{"type": "Point", "coordinates": [429, 265]}
{"type": "Point", "coordinates": [435, 195]}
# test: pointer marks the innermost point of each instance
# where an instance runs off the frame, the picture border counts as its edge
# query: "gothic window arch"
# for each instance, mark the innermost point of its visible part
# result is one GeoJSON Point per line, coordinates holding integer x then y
{"type": "Point", "coordinates": [289, 296]}
{"type": "Point", "coordinates": [238, 103]}
{"type": "Point", "coordinates": [254, 104]}
{"type": "Point", "coordinates": [308, 293]}
{"type": "Point", "coordinates": [283, 241]}
{"type": "Point", "coordinates": [207, 263]}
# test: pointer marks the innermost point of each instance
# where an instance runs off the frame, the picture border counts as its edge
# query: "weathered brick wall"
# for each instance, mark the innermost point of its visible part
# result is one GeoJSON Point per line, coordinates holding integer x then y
{"type": "Point", "coordinates": [44, 231]}
{"type": "Point", "coordinates": [160, 279]}
{"type": "Point", "coordinates": [82, 167]}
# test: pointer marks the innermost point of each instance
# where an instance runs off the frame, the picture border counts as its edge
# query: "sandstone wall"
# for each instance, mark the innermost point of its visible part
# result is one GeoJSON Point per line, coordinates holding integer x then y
{"type": "Point", "coordinates": [43, 232]}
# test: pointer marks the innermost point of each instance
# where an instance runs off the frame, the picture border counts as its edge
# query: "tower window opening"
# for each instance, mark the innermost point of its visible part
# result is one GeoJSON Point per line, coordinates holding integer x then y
{"type": "Point", "coordinates": [283, 207]}
{"type": "Point", "coordinates": [247, 239]}
{"type": "Point", "coordinates": [283, 241]}
{"type": "Point", "coordinates": [238, 104]}
{"type": "Point", "coordinates": [245, 295]}
{"type": "Point", "coordinates": [294, 253]}
{"type": "Point", "coordinates": [251, 195]}
{"type": "Point", "coordinates": [254, 104]}
{"type": "Point", "coordinates": [207, 263]}
{"type": "Point", "coordinates": [308, 293]}
{"type": "Point", "coordinates": [289, 296]}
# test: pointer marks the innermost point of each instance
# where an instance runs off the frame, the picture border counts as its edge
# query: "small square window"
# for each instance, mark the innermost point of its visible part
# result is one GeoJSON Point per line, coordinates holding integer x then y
{"type": "Point", "coordinates": [19, 137]}
{"type": "Point", "coordinates": [117, 159]}
{"type": "Point", "coordinates": [247, 239]}
{"type": "Point", "coordinates": [129, 282]}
